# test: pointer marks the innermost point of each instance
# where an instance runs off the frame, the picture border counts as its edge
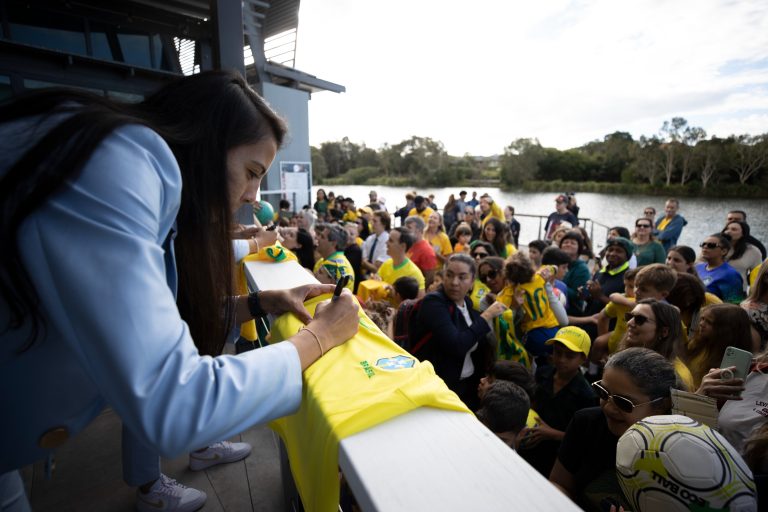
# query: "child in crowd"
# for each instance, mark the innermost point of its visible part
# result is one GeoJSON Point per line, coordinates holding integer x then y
{"type": "Point", "coordinates": [405, 288]}
{"type": "Point", "coordinates": [621, 303]}
{"type": "Point", "coordinates": [463, 235]}
{"type": "Point", "coordinates": [437, 282]}
{"type": "Point", "coordinates": [539, 321]}
{"type": "Point", "coordinates": [653, 281]}
{"type": "Point", "coordinates": [503, 410]}
{"type": "Point", "coordinates": [513, 372]}
{"type": "Point", "coordinates": [536, 250]}
{"type": "Point", "coordinates": [557, 258]}
{"type": "Point", "coordinates": [561, 390]}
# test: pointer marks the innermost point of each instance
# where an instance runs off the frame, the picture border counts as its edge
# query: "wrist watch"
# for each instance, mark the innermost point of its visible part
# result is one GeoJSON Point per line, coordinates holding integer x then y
{"type": "Point", "coordinates": [254, 305]}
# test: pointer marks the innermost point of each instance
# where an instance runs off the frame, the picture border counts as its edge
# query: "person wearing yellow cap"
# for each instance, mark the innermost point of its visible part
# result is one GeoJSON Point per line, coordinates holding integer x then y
{"type": "Point", "coordinates": [561, 391]}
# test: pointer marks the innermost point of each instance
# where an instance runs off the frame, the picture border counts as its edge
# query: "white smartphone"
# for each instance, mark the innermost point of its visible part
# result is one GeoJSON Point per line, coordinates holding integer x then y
{"type": "Point", "coordinates": [739, 358]}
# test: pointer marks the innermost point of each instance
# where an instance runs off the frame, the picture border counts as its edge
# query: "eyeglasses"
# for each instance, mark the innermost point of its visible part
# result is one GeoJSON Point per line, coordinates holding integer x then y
{"type": "Point", "coordinates": [709, 245]}
{"type": "Point", "coordinates": [479, 254]}
{"type": "Point", "coordinates": [639, 319]}
{"type": "Point", "coordinates": [491, 274]}
{"type": "Point", "coordinates": [643, 226]}
{"type": "Point", "coordinates": [622, 403]}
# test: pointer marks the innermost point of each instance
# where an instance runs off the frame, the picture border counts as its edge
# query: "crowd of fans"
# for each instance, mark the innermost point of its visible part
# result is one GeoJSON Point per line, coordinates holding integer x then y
{"type": "Point", "coordinates": [558, 349]}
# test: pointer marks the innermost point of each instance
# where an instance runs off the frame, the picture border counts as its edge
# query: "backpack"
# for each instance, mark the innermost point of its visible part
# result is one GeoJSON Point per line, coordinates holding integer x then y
{"type": "Point", "coordinates": [407, 331]}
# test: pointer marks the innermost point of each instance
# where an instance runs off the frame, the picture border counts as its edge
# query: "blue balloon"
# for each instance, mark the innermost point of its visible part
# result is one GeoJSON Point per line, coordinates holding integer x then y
{"type": "Point", "coordinates": [266, 214]}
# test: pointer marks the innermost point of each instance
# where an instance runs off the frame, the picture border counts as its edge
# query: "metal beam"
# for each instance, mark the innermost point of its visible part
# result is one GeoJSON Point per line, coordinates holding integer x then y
{"type": "Point", "coordinates": [228, 35]}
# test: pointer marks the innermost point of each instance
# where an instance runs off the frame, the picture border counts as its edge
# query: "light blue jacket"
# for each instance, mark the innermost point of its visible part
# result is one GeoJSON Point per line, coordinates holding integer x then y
{"type": "Point", "coordinates": [95, 254]}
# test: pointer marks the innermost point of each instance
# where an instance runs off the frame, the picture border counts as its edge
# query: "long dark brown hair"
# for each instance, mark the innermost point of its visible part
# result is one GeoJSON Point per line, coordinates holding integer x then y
{"type": "Point", "coordinates": [201, 118]}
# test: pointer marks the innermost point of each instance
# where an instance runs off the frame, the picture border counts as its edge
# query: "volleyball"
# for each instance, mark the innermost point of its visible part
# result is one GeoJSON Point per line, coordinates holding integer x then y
{"type": "Point", "coordinates": [675, 463]}
{"type": "Point", "coordinates": [266, 213]}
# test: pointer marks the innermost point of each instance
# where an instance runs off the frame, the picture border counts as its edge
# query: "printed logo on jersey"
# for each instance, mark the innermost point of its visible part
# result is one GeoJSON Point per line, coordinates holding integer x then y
{"type": "Point", "coordinates": [396, 363]}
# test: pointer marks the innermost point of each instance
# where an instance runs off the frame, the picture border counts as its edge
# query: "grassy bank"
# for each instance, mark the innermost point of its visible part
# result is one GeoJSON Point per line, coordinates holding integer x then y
{"type": "Point", "coordinates": [690, 190]}
{"type": "Point", "coordinates": [372, 176]}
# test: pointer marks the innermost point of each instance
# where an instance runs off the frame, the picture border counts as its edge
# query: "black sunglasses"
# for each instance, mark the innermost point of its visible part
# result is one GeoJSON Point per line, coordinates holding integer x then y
{"type": "Point", "coordinates": [709, 245]}
{"type": "Point", "coordinates": [479, 254]}
{"type": "Point", "coordinates": [491, 274]}
{"type": "Point", "coordinates": [642, 225]}
{"type": "Point", "coordinates": [622, 403]}
{"type": "Point", "coordinates": [639, 319]}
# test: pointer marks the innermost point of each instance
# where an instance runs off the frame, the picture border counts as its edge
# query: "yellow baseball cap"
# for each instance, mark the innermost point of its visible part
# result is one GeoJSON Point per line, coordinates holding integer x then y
{"type": "Point", "coordinates": [574, 338]}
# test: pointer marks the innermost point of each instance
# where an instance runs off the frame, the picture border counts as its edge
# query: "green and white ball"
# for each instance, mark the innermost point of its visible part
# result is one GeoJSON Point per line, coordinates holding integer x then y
{"type": "Point", "coordinates": [671, 463]}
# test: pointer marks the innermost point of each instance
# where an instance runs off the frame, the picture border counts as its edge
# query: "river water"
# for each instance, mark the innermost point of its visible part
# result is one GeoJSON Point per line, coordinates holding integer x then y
{"type": "Point", "coordinates": [704, 215]}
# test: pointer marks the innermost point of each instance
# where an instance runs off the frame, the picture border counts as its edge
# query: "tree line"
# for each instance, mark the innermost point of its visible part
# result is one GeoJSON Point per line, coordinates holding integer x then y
{"type": "Point", "coordinates": [679, 156]}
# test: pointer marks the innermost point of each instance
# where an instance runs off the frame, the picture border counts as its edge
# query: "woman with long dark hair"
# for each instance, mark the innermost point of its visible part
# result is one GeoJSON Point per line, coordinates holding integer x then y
{"type": "Point", "coordinates": [743, 256]}
{"type": "Point", "coordinates": [720, 326]}
{"type": "Point", "coordinates": [656, 325]}
{"type": "Point", "coordinates": [495, 233]}
{"type": "Point", "coordinates": [682, 258]}
{"type": "Point", "coordinates": [99, 234]}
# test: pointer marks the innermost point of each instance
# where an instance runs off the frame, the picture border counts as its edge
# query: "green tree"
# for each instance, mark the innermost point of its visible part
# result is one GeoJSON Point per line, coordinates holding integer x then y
{"type": "Point", "coordinates": [319, 168]}
{"type": "Point", "coordinates": [749, 156]}
{"type": "Point", "coordinates": [520, 161]}
{"type": "Point", "coordinates": [708, 159]}
{"type": "Point", "coordinates": [692, 135]}
{"type": "Point", "coordinates": [671, 134]}
{"type": "Point", "coordinates": [648, 159]}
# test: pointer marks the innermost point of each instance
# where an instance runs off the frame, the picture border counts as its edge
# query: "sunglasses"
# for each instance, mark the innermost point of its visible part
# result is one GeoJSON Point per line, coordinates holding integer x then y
{"type": "Point", "coordinates": [479, 254]}
{"type": "Point", "coordinates": [642, 225]}
{"type": "Point", "coordinates": [639, 319]}
{"type": "Point", "coordinates": [622, 403]}
{"type": "Point", "coordinates": [709, 245]}
{"type": "Point", "coordinates": [491, 274]}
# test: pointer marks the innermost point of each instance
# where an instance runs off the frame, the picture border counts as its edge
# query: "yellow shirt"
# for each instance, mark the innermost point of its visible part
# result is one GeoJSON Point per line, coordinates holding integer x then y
{"type": "Point", "coordinates": [509, 249]}
{"type": "Point", "coordinates": [389, 273]}
{"type": "Point", "coordinates": [337, 266]}
{"type": "Point", "coordinates": [685, 375]}
{"type": "Point", "coordinates": [496, 212]}
{"type": "Point", "coordinates": [613, 310]}
{"type": "Point", "coordinates": [479, 290]}
{"type": "Point", "coordinates": [536, 305]}
{"type": "Point", "coordinates": [349, 216]}
{"type": "Point", "coordinates": [755, 271]}
{"type": "Point", "coordinates": [356, 386]}
{"type": "Point", "coordinates": [510, 348]}
{"type": "Point", "coordinates": [441, 244]}
{"type": "Point", "coordinates": [663, 223]}
{"type": "Point", "coordinates": [424, 214]}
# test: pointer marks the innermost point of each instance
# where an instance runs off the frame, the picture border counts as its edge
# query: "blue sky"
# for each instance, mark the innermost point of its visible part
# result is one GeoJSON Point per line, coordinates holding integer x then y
{"type": "Point", "coordinates": [477, 75]}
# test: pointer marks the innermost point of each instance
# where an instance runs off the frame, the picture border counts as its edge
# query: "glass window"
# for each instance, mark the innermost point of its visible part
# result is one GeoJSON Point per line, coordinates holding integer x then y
{"type": "Point", "coordinates": [135, 49]}
{"type": "Point", "coordinates": [5, 87]}
{"type": "Point", "coordinates": [56, 39]}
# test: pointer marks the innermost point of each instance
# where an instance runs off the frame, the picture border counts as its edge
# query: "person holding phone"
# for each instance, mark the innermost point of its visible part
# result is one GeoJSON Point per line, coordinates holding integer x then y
{"type": "Point", "coordinates": [742, 401]}
{"type": "Point", "coordinates": [720, 326]}
{"type": "Point", "coordinates": [89, 185]}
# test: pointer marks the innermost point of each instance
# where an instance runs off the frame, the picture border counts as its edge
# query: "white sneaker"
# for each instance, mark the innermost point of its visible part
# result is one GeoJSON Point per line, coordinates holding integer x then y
{"type": "Point", "coordinates": [169, 495]}
{"type": "Point", "coordinates": [218, 453]}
